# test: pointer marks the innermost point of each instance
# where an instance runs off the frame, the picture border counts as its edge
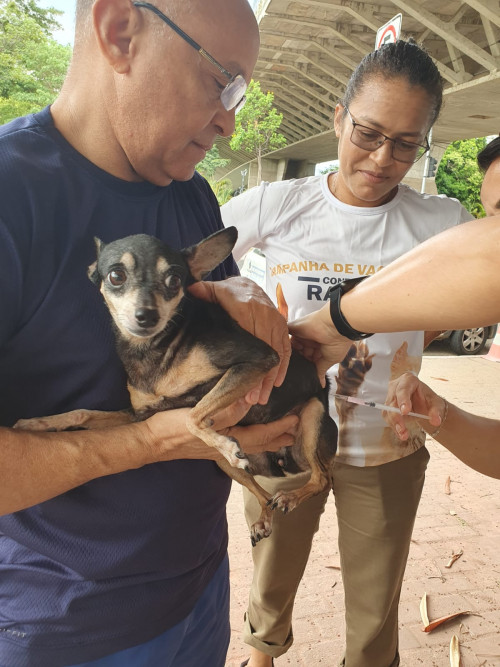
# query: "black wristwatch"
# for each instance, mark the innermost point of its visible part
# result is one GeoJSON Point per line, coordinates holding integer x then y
{"type": "Point", "coordinates": [341, 324]}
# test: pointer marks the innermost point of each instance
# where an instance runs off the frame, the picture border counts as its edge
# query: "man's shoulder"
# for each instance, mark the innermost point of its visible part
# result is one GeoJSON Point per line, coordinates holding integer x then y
{"type": "Point", "coordinates": [19, 130]}
{"type": "Point", "coordinates": [24, 145]}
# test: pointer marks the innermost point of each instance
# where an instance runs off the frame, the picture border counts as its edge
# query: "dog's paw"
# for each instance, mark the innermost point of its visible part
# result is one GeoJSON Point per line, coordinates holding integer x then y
{"type": "Point", "coordinates": [229, 447]}
{"type": "Point", "coordinates": [261, 529]}
{"type": "Point", "coordinates": [75, 420]}
{"type": "Point", "coordinates": [41, 424]}
{"type": "Point", "coordinates": [284, 501]}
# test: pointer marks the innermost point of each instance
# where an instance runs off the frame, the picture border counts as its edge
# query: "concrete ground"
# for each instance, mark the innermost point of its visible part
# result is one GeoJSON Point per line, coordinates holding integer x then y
{"type": "Point", "coordinates": [467, 518]}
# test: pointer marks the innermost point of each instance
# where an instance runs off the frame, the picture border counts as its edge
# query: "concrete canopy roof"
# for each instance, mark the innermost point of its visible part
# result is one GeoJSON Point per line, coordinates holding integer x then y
{"type": "Point", "coordinates": [309, 49]}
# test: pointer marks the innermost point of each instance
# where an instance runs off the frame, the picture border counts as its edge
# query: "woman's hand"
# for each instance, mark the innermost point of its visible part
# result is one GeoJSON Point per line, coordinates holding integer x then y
{"type": "Point", "coordinates": [316, 337]}
{"type": "Point", "coordinates": [254, 311]}
{"type": "Point", "coordinates": [408, 393]}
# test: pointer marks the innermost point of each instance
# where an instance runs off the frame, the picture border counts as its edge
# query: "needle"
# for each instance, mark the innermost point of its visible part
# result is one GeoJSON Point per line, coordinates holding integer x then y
{"type": "Point", "coordinates": [379, 406]}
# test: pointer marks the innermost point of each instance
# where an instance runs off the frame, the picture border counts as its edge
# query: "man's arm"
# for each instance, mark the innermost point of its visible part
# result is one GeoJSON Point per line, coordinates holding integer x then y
{"type": "Point", "coordinates": [37, 466]}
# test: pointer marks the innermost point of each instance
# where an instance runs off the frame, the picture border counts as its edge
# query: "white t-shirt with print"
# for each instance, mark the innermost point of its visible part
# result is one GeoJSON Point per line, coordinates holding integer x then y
{"type": "Point", "coordinates": [312, 241]}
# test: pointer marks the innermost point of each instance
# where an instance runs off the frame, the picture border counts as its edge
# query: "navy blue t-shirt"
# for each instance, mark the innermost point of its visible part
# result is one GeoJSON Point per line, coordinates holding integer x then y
{"type": "Point", "coordinates": [122, 558]}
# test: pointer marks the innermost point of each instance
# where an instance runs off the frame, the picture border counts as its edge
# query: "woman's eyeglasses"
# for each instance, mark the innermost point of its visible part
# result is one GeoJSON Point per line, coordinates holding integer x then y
{"type": "Point", "coordinates": [370, 140]}
{"type": "Point", "coordinates": [233, 95]}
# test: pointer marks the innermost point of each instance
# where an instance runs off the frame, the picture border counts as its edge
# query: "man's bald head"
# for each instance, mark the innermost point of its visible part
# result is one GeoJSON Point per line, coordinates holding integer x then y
{"type": "Point", "coordinates": [176, 8]}
{"type": "Point", "coordinates": [142, 103]}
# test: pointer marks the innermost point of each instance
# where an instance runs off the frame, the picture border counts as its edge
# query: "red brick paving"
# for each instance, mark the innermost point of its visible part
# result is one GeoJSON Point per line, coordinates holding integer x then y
{"type": "Point", "coordinates": [468, 519]}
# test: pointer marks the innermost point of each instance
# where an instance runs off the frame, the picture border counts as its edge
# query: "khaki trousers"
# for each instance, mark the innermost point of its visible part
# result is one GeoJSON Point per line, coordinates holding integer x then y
{"type": "Point", "coordinates": [376, 509]}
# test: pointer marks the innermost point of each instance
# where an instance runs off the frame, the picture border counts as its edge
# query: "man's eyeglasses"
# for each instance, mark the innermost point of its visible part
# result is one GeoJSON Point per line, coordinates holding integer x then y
{"type": "Point", "coordinates": [233, 95]}
{"type": "Point", "coordinates": [370, 140]}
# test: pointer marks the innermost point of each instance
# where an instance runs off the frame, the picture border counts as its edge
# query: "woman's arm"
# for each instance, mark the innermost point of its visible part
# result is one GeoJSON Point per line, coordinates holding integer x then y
{"type": "Point", "coordinates": [447, 282]}
{"type": "Point", "coordinates": [473, 439]}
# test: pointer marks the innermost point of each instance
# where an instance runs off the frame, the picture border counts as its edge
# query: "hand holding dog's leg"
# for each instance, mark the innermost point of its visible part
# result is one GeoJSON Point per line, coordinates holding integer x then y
{"type": "Point", "coordinates": [167, 437]}
{"type": "Point", "coordinates": [254, 311]}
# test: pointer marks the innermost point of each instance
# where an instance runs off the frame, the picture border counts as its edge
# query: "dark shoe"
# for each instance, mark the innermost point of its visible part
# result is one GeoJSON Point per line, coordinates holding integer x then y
{"type": "Point", "coordinates": [244, 664]}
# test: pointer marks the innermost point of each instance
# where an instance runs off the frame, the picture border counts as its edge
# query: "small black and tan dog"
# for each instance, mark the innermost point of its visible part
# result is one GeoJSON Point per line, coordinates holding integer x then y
{"type": "Point", "coordinates": [179, 351]}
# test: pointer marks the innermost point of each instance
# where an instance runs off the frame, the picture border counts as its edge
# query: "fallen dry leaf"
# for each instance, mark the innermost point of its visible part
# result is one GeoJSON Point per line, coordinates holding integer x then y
{"type": "Point", "coordinates": [454, 557]}
{"type": "Point", "coordinates": [439, 621]}
{"type": "Point", "coordinates": [423, 610]}
{"type": "Point", "coordinates": [454, 652]}
{"type": "Point", "coordinates": [447, 484]}
{"type": "Point", "coordinates": [431, 625]}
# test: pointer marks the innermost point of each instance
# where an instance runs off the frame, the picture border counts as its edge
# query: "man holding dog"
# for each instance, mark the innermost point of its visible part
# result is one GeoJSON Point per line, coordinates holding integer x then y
{"type": "Point", "coordinates": [113, 542]}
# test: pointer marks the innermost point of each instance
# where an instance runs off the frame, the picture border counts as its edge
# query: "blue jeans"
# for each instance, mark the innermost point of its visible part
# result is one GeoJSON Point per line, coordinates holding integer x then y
{"type": "Point", "coordinates": [200, 640]}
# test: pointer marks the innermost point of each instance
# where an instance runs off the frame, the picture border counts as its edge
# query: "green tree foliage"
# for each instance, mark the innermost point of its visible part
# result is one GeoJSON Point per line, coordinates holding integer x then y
{"type": "Point", "coordinates": [212, 161]}
{"type": "Point", "coordinates": [45, 18]}
{"type": "Point", "coordinates": [32, 63]}
{"type": "Point", "coordinates": [459, 176]}
{"type": "Point", "coordinates": [207, 168]}
{"type": "Point", "coordinates": [223, 190]}
{"type": "Point", "coordinates": [257, 125]}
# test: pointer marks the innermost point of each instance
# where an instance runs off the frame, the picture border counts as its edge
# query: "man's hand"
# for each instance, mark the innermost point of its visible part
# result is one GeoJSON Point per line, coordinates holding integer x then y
{"type": "Point", "coordinates": [169, 438]}
{"type": "Point", "coordinates": [256, 438]}
{"type": "Point", "coordinates": [315, 336]}
{"type": "Point", "coordinates": [410, 394]}
{"type": "Point", "coordinates": [254, 311]}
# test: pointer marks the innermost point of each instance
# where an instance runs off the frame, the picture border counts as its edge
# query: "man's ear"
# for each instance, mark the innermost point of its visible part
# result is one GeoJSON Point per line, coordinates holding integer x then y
{"type": "Point", "coordinates": [115, 23]}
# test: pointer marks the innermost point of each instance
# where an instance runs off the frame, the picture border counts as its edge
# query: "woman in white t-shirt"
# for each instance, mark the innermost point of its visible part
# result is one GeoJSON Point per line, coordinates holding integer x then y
{"type": "Point", "coordinates": [317, 232]}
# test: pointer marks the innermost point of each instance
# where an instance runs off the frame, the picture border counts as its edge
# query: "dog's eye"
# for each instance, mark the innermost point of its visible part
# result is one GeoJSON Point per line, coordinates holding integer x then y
{"type": "Point", "coordinates": [117, 277]}
{"type": "Point", "coordinates": [173, 281]}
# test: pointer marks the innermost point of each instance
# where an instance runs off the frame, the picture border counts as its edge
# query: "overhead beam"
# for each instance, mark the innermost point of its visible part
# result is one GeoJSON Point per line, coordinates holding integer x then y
{"type": "Point", "coordinates": [448, 33]}
{"type": "Point", "coordinates": [354, 42]}
{"type": "Point", "coordinates": [340, 57]}
{"type": "Point", "coordinates": [328, 70]}
{"type": "Point", "coordinates": [319, 82]}
{"type": "Point", "coordinates": [326, 99]}
{"type": "Point", "coordinates": [491, 37]}
{"type": "Point", "coordinates": [313, 120]}
{"type": "Point", "coordinates": [326, 110]}
{"type": "Point", "coordinates": [299, 130]}
{"type": "Point", "coordinates": [489, 10]}
{"type": "Point", "coordinates": [308, 75]}
{"type": "Point", "coordinates": [290, 132]}
{"type": "Point", "coordinates": [365, 18]}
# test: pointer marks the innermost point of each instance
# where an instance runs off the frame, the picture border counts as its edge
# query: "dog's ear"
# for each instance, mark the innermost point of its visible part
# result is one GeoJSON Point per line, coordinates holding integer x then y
{"type": "Point", "coordinates": [209, 253]}
{"type": "Point", "coordinates": [92, 271]}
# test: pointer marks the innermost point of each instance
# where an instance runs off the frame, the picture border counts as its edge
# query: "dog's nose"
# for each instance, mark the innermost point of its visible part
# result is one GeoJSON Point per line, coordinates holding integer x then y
{"type": "Point", "coordinates": [147, 317]}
